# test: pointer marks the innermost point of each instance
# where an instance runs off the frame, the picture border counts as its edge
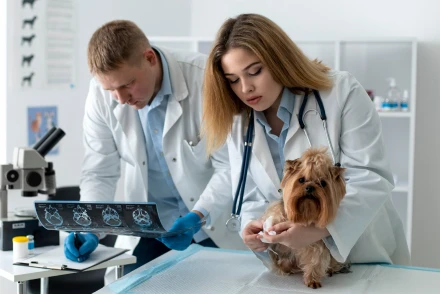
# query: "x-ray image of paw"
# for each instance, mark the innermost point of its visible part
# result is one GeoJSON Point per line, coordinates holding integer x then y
{"type": "Point", "coordinates": [81, 217]}
{"type": "Point", "coordinates": [52, 216]}
{"type": "Point", "coordinates": [141, 217]}
{"type": "Point", "coordinates": [111, 216]}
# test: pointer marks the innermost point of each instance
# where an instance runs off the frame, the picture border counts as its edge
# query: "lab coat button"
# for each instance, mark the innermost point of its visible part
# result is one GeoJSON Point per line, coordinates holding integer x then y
{"type": "Point", "coordinates": [192, 199]}
{"type": "Point", "coordinates": [143, 163]}
{"type": "Point", "coordinates": [174, 159]}
{"type": "Point", "coordinates": [155, 130]}
{"type": "Point", "coordinates": [280, 191]}
{"type": "Point", "coordinates": [266, 201]}
{"type": "Point", "coordinates": [212, 228]}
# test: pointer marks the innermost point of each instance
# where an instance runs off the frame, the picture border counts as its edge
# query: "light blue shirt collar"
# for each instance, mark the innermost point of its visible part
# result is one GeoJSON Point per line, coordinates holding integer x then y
{"type": "Point", "coordinates": [165, 88]}
{"type": "Point", "coordinates": [287, 101]}
{"type": "Point", "coordinates": [285, 110]}
{"type": "Point", "coordinates": [276, 143]}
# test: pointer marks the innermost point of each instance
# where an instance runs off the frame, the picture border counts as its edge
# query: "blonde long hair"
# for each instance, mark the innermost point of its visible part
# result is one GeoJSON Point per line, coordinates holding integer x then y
{"type": "Point", "coordinates": [285, 61]}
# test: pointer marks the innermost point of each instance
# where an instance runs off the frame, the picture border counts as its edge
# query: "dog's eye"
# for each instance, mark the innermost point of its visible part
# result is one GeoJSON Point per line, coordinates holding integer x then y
{"type": "Point", "coordinates": [323, 183]}
{"type": "Point", "coordinates": [302, 180]}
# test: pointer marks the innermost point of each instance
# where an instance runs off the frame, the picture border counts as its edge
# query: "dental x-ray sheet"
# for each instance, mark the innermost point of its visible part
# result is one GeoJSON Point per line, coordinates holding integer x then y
{"type": "Point", "coordinates": [131, 219]}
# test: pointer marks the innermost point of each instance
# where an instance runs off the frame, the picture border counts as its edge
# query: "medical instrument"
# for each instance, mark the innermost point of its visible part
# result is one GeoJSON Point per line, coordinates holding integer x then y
{"type": "Point", "coordinates": [233, 223]}
{"type": "Point", "coordinates": [32, 174]}
{"type": "Point", "coordinates": [323, 116]}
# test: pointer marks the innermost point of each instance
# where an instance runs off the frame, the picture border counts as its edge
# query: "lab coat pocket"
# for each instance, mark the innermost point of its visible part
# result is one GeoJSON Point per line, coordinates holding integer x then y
{"type": "Point", "coordinates": [196, 153]}
{"type": "Point", "coordinates": [194, 146]}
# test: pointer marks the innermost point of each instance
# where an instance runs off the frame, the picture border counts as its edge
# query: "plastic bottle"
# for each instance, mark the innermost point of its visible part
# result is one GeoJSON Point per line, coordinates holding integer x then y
{"type": "Point", "coordinates": [386, 105]}
{"type": "Point", "coordinates": [19, 247]}
{"type": "Point", "coordinates": [378, 102]}
{"type": "Point", "coordinates": [393, 95]}
{"type": "Point", "coordinates": [404, 102]}
{"type": "Point", "coordinates": [31, 244]}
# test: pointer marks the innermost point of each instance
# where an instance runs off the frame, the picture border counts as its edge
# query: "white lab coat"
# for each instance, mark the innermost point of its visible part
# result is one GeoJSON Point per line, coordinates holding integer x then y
{"type": "Point", "coordinates": [367, 227]}
{"type": "Point", "coordinates": [113, 132]}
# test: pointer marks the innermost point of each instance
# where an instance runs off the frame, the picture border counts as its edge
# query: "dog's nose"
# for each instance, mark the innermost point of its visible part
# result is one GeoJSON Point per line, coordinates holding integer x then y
{"type": "Point", "coordinates": [309, 189]}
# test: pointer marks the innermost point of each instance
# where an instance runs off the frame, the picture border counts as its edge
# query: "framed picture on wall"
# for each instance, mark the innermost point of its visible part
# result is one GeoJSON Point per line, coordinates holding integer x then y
{"type": "Point", "coordinates": [40, 121]}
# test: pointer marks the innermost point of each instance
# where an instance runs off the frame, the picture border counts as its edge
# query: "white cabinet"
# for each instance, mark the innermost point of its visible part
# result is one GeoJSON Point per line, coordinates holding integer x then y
{"type": "Point", "coordinates": [371, 62]}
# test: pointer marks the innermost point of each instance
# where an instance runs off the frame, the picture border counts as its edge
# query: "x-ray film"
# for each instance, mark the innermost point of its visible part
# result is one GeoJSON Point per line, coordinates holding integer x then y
{"type": "Point", "coordinates": [132, 219]}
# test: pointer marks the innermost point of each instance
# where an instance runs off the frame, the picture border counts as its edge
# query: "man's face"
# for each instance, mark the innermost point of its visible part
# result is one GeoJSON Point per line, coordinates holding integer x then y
{"type": "Point", "coordinates": [133, 84]}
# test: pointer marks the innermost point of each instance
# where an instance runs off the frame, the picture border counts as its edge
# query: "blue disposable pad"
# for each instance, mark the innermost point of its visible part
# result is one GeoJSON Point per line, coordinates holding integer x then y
{"type": "Point", "coordinates": [211, 270]}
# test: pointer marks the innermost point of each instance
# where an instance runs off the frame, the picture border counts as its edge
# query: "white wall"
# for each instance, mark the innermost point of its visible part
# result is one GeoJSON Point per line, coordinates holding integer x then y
{"type": "Point", "coordinates": [158, 18]}
{"type": "Point", "coordinates": [3, 71]}
{"type": "Point", "coordinates": [5, 286]}
{"type": "Point", "coordinates": [347, 19]}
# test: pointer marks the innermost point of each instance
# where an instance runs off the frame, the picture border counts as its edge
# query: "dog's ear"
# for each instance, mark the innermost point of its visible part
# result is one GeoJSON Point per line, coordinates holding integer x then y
{"type": "Point", "coordinates": [290, 168]}
{"type": "Point", "coordinates": [337, 172]}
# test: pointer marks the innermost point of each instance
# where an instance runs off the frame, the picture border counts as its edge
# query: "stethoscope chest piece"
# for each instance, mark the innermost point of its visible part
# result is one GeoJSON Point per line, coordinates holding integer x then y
{"type": "Point", "coordinates": [233, 223]}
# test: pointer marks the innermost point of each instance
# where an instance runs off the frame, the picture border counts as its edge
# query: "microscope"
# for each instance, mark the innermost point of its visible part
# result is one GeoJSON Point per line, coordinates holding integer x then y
{"type": "Point", "coordinates": [32, 174]}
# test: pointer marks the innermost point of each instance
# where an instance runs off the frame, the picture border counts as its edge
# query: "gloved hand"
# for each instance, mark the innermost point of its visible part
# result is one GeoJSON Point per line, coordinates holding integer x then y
{"type": "Point", "coordinates": [88, 243]}
{"type": "Point", "coordinates": [190, 221]}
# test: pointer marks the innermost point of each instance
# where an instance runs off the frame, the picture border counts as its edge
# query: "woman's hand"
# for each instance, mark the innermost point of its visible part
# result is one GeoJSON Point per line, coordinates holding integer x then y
{"type": "Point", "coordinates": [251, 237]}
{"type": "Point", "coordinates": [295, 236]}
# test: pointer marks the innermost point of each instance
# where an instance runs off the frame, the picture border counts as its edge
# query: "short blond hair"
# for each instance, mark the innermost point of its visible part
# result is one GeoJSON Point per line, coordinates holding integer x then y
{"type": "Point", "coordinates": [286, 62]}
{"type": "Point", "coordinates": [115, 43]}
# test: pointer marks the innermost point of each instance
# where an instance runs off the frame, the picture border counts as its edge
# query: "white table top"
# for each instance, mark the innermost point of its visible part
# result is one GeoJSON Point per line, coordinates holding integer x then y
{"type": "Point", "coordinates": [17, 273]}
{"type": "Point", "coordinates": [207, 271]}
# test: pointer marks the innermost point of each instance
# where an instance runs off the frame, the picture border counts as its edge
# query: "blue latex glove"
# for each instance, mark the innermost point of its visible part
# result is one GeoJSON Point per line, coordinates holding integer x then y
{"type": "Point", "coordinates": [190, 221]}
{"type": "Point", "coordinates": [88, 243]}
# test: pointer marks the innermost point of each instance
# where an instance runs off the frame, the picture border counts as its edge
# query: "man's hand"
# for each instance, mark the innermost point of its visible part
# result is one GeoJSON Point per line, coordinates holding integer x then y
{"type": "Point", "coordinates": [88, 243]}
{"type": "Point", "coordinates": [295, 236]}
{"type": "Point", "coordinates": [188, 226]}
{"type": "Point", "coordinates": [251, 237]}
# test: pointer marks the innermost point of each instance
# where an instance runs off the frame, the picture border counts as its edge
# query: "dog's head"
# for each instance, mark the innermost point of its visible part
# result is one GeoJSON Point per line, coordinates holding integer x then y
{"type": "Point", "coordinates": [312, 188]}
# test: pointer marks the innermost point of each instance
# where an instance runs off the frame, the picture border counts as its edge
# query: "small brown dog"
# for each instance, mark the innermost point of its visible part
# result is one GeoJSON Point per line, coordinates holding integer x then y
{"type": "Point", "coordinates": [312, 190]}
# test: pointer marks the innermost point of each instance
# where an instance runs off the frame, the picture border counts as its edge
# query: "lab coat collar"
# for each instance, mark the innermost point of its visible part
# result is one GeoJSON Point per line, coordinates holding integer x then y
{"type": "Point", "coordinates": [261, 151]}
{"type": "Point", "coordinates": [179, 92]}
{"type": "Point", "coordinates": [130, 123]}
{"type": "Point", "coordinates": [294, 124]}
{"type": "Point", "coordinates": [178, 84]}
{"type": "Point", "coordinates": [261, 148]}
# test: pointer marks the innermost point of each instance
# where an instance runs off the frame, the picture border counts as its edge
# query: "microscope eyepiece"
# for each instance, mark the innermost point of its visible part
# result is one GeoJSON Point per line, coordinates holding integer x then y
{"type": "Point", "coordinates": [44, 147]}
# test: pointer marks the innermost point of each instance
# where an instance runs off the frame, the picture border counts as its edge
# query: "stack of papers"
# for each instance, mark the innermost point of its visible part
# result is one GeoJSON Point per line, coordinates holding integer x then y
{"type": "Point", "coordinates": [55, 259]}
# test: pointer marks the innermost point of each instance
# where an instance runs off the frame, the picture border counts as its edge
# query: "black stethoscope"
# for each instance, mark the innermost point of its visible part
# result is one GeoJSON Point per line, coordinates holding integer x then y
{"type": "Point", "coordinates": [233, 223]}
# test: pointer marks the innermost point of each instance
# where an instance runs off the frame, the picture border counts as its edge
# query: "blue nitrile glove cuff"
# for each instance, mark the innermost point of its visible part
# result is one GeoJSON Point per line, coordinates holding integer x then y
{"type": "Point", "coordinates": [88, 242]}
{"type": "Point", "coordinates": [189, 225]}
{"type": "Point", "coordinates": [190, 221]}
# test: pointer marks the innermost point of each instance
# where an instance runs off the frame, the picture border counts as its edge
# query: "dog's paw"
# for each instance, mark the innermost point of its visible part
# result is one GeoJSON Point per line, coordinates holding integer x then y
{"type": "Point", "coordinates": [314, 284]}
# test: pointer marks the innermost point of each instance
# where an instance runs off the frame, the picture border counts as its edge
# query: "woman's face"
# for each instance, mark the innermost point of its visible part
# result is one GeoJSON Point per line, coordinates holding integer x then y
{"type": "Point", "coordinates": [250, 80]}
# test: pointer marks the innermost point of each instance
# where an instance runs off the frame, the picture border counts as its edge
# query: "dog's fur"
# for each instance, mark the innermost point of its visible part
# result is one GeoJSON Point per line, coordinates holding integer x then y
{"type": "Point", "coordinates": [312, 190]}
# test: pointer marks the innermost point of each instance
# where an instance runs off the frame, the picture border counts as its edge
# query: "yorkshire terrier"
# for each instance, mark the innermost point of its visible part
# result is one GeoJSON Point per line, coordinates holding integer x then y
{"type": "Point", "coordinates": [312, 189]}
